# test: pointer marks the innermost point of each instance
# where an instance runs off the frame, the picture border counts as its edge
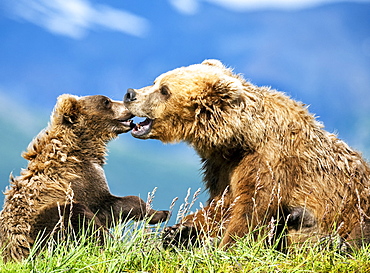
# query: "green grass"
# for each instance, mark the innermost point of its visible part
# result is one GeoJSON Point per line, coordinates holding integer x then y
{"type": "Point", "coordinates": [136, 248]}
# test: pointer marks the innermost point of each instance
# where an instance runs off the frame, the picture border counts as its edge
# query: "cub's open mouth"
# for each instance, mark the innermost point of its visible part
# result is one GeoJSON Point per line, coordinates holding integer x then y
{"type": "Point", "coordinates": [142, 128]}
{"type": "Point", "coordinates": [127, 122]}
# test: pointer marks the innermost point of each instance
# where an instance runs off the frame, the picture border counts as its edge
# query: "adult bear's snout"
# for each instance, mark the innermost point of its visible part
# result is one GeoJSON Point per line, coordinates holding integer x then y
{"type": "Point", "coordinates": [130, 95]}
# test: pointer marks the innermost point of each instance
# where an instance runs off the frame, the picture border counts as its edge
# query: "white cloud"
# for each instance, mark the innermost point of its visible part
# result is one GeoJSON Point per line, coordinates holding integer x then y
{"type": "Point", "coordinates": [74, 18]}
{"type": "Point", "coordinates": [240, 5]}
{"type": "Point", "coordinates": [185, 6]}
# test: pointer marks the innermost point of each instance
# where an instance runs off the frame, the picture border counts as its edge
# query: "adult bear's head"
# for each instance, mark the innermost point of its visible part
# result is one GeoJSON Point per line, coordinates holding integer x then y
{"type": "Point", "coordinates": [200, 104]}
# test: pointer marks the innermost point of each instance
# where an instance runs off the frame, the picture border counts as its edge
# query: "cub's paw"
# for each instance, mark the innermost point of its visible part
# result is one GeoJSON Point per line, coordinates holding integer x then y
{"type": "Point", "coordinates": [179, 235]}
{"type": "Point", "coordinates": [159, 216]}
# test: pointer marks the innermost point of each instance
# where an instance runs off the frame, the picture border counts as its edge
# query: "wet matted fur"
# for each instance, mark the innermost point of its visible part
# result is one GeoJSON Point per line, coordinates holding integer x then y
{"type": "Point", "coordinates": [64, 182]}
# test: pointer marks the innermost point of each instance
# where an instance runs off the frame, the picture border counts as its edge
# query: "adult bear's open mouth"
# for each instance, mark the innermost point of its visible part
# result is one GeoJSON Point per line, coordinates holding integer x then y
{"type": "Point", "coordinates": [142, 128]}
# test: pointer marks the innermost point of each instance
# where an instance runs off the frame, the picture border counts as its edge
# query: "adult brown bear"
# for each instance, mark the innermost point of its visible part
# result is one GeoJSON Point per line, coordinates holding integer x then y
{"type": "Point", "coordinates": [265, 157]}
{"type": "Point", "coordinates": [64, 183]}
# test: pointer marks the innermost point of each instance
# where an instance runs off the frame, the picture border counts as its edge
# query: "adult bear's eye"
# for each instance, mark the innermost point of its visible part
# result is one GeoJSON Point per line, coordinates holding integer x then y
{"type": "Point", "coordinates": [165, 91]}
{"type": "Point", "coordinates": [107, 102]}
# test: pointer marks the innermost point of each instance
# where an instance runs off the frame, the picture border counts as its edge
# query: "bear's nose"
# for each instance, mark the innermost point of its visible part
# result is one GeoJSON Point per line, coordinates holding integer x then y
{"type": "Point", "coordinates": [130, 95]}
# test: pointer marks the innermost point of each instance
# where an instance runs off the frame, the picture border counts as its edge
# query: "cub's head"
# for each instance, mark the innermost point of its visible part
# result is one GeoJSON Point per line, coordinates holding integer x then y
{"type": "Point", "coordinates": [95, 116]}
{"type": "Point", "coordinates": [189, 103]}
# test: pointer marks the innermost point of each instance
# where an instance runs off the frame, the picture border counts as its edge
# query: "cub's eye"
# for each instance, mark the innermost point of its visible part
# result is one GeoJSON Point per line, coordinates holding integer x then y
{"type": "Point", "coordinates": [165, 91]}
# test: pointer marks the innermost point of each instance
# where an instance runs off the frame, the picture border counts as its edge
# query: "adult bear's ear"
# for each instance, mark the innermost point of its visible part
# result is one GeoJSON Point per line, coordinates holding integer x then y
{"type": "Point", "coordinates": [219, 96]}
{"type": "Point", "coordinates": [226, 91]}
{"type": "Point", "coordinates": [213, 62]}
{"type": "Point", "coordinates": [67, 109]}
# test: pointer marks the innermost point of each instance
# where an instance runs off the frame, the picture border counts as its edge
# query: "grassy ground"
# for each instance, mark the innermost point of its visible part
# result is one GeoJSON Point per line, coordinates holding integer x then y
{"type": "Point", "coordinates": [138, 249]}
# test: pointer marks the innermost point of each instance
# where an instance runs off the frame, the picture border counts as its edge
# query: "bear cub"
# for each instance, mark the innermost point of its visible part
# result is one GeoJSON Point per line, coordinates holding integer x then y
{"type": "Point", "coordinates": [64, 184]}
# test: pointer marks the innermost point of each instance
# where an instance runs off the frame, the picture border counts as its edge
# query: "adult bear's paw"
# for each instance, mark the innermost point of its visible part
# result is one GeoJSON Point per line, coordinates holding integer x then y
{"type": "Point", "coordinates": [179, 235]}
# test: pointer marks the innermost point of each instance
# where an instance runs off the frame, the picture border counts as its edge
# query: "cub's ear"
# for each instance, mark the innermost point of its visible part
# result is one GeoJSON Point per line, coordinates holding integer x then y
{"type": "Point", "coordinates": [213, 62]}
{"type": "Point", "coordinates": [67, 109]}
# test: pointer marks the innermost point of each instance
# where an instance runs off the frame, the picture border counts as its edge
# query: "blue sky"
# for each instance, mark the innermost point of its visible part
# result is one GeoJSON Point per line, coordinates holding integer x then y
{"type": "Point", "coordinates": [316, 53]}
{"type": "Point", "coordinates": [75, 18]}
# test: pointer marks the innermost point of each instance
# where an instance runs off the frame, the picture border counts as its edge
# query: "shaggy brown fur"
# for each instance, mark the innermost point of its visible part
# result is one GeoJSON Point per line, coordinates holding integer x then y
{"type": "Point", "coordinates": [264, 156]}
{"type": "Point", "coordinates": [65, 179]}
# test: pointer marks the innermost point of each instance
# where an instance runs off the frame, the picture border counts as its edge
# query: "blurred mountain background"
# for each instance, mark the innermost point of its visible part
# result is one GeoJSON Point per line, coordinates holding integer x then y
{"type": "Point", "coordinates": [316, 51]}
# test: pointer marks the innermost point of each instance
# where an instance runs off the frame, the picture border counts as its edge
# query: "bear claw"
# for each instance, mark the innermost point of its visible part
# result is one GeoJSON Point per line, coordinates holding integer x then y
{"type": "Point", "coordinates": [179, 235]}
